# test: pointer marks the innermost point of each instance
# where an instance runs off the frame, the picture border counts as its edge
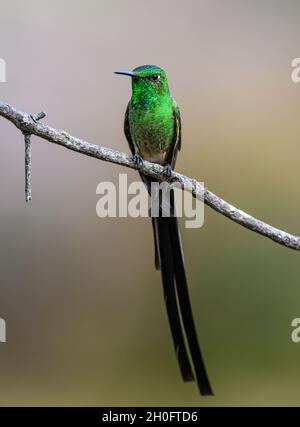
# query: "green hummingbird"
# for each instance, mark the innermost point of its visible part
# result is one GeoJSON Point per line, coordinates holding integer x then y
{"type": "Point", "coordinates": [152, 127]}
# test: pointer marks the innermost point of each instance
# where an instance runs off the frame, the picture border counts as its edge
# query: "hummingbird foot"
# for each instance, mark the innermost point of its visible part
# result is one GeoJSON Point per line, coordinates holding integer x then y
{"type": "Point", "coordinates": [167, 171]}
{"type": "Point", "coordinates": [137, 159]}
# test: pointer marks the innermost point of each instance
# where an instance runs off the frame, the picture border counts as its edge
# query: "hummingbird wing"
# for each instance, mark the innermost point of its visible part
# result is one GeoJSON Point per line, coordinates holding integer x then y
{"type": "Point", "coordinates": [127, 130]}
{"type": "Point", "coordinates": [176, 146]}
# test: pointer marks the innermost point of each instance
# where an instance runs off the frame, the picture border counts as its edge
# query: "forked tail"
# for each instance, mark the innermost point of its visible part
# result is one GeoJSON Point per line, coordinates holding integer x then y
{"type": "Point", "coordinates": [169, 260]}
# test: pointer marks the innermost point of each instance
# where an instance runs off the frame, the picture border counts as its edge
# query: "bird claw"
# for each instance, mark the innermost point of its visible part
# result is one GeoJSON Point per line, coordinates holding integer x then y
{"type": "Point", "coordinates": [138, 161]}
{"type": "Point", "coordinates": [167, 171]}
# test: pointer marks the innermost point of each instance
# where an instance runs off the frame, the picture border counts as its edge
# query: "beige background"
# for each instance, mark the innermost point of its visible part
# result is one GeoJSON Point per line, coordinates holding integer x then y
{"type": "Point", "coordinates": [85, 317]}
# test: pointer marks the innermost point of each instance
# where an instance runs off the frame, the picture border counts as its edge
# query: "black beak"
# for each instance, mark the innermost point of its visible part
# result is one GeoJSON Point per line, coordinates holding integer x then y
{"type": "Point", "coordinates": [126, 73]}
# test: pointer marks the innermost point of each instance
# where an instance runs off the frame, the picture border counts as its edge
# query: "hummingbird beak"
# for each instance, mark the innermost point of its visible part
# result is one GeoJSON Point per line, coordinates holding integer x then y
{"type": "Point", "coordinates": [126, 73]}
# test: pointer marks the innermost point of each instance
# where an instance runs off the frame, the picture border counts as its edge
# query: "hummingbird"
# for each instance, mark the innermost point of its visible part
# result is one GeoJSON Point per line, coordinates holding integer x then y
{"type": "Point", "coordinates": [152, 127]}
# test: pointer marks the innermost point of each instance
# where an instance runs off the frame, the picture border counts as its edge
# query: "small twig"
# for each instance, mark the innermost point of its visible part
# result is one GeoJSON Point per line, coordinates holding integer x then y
{"type": "Point", "coordinates": [27, 136]}
{"type": "Point", "coordinates": [38, 116]}
{"type": "Point", "coordinates": [27, 124]}
{"type": "Point", "coordinates": [27, 167]}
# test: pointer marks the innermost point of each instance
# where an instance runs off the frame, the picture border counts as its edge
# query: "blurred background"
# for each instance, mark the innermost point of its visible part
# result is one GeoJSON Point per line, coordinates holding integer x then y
{"type": "Point", "coordinates": [86, 323]}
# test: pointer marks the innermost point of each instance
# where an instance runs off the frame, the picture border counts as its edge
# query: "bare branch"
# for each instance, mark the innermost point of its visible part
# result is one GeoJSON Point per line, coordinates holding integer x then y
{"type": "Point", "coordinates": [28, 124]}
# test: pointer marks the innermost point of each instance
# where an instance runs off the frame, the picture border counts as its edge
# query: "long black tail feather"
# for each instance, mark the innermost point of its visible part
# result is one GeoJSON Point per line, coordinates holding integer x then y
{"type": "Point", "coordinates": [186, 310]}
{"type": "Point", "coordinates": [169, 259]}
{"type": "Point", "coordinates": [167, 268]}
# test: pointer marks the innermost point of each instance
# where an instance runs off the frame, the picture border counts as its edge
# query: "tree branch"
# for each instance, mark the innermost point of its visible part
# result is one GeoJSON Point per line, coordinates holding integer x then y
{"type": "Point", "coordinates": [28, 124]}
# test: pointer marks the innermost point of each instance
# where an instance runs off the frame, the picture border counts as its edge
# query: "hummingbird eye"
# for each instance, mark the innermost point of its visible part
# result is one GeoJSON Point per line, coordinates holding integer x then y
{"type": "Point", "coordinates": [154, 77]}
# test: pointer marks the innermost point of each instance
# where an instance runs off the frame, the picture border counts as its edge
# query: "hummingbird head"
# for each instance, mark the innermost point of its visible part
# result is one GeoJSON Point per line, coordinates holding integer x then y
{"type": "Point", "coordinates": [149, 82]}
